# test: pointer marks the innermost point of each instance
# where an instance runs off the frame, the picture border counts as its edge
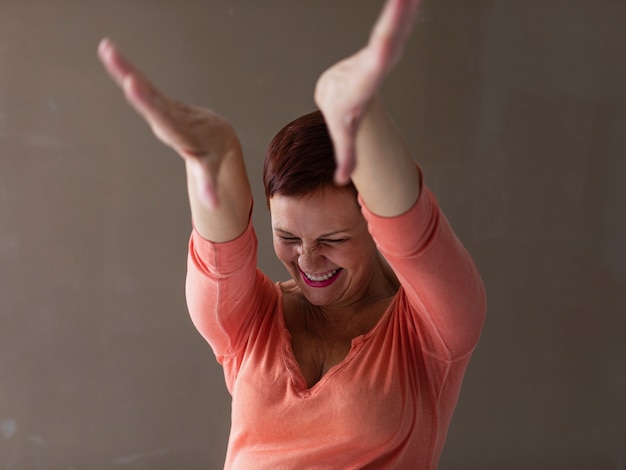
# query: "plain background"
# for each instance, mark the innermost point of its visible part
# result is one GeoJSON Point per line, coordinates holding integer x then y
{"type": "Point", "coordinates": [514, 108]}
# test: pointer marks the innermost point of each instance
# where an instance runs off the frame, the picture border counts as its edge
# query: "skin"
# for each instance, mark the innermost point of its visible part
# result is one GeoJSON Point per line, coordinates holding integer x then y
{"type": "Point", "coordinates": [368, 149]}
{"type": "Point", "coordinates": [310, 239]}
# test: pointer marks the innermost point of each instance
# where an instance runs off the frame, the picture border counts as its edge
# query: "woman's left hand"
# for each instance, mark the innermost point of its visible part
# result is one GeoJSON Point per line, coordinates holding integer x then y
{"type": "Point", "coordinates": [344, 91]}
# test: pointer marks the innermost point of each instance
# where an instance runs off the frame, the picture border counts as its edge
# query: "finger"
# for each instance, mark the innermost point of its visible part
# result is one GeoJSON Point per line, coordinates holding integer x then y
{"type": "Point", "coordinates": [346, 164]}
{"type": "Point", "coordinates": [343, 135]}
{"type": "Point", "coordinates": [114, 62]}
{"type": "Point", "coordinates": [396, 19]}
{"type": "Point", "coordinates": [146, 100]}
{"type": "Point", "coordinates": [138, 90]}
{"type": "Point", "coordinates": [127, 76]}
{"type": "Point", "coordinates": [392, 30]}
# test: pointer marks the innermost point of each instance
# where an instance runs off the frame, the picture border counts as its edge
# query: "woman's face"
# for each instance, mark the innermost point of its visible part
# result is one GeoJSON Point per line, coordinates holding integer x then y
{"type": "Point", "coordinates": [322, 240]}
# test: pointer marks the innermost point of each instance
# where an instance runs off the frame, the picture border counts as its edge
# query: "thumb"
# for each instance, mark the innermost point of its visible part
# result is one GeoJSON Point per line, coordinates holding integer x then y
{"type": "Point", "coordinates": [345, 158]}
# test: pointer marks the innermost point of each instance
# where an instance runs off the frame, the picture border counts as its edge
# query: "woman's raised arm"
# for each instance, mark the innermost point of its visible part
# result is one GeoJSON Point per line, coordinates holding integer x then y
{"type": "Point", "coordinates": [368, 146]}
{"type": "Point", "coordinates": [219, 191]}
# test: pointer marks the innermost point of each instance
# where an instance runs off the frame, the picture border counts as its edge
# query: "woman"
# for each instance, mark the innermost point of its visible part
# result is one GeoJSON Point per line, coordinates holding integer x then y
{"type": "Point", "coordinates": [357, 360]}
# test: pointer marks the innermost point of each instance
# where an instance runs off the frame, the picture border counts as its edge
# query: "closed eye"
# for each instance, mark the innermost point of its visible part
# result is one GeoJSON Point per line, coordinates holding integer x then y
{"type": "Point", "coordinates": [332, 241]}
{"type": "Point", "coordinates": [288, 239]}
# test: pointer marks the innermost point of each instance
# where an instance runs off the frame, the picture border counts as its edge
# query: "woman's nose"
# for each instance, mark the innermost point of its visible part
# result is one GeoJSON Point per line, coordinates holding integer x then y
{"type": "Point", "coordinates": [308, 257]}
{"type": "Point", "coordinates": [307, 250]}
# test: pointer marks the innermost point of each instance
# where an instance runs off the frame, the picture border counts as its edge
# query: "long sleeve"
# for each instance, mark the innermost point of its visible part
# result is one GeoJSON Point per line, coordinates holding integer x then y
{"type": "Point", "coordinates": [227, 295]}
{"type": "Point", "coordinates": [441, 282]}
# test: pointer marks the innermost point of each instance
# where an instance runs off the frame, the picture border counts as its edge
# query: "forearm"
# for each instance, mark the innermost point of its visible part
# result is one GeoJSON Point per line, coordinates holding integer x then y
{"type": "Point", "coordinates": [229, 218]}
{"type": "Point", "coordinates": [386, 176]}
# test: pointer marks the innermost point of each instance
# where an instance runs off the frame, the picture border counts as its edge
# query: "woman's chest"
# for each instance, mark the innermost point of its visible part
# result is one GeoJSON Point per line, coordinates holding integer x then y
{"type": "Point", "coordinates": [368, 396]}
{"type": "Point", "coordinates": [320, 344]}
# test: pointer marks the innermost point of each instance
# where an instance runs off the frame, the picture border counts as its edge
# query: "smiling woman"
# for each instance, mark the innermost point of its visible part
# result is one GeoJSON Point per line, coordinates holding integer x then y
{"type": "Point", "coordinates": [330, 272]}
{"type": "Point", "coordinates": [357, 360]}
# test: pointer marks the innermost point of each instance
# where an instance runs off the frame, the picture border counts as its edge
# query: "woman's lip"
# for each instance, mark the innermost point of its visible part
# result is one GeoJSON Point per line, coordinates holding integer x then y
{"type": "Point", "coordinates": [324, 283]}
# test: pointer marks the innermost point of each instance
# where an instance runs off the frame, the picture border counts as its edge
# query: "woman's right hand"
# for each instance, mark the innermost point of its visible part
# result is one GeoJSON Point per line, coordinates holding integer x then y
{"type": "Point", "coordinates": [219, 190]}
{"type": "Point", "coordinates": [200, 136]}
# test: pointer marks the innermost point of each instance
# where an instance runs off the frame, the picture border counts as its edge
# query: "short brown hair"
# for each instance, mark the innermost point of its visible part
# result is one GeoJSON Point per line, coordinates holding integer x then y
{"type": "Point", "coordinates": [300, 159]}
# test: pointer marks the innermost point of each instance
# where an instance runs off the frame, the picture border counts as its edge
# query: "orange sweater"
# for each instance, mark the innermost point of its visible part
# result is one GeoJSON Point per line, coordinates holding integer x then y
{"type": "Point", "coordinates": [388, 404]}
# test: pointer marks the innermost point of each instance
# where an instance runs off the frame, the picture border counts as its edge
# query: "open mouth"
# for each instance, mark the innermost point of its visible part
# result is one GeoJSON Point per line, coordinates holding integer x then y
{"type": "Point", "coordinates": [321, 280]}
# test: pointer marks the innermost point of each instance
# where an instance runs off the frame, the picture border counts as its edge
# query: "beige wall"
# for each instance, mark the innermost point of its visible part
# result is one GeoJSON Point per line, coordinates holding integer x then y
{"type": "Point", "coordinates": [516, 111]}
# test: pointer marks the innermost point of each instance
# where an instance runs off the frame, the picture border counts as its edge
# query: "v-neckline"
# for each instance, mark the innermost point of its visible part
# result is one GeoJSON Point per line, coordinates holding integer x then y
{"type": "Point", "coordinates": [293, 366]}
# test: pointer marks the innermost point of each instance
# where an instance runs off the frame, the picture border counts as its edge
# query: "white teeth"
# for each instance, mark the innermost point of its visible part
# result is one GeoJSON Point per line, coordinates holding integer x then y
{"type": "Point", "coordinates": [323, 277]}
